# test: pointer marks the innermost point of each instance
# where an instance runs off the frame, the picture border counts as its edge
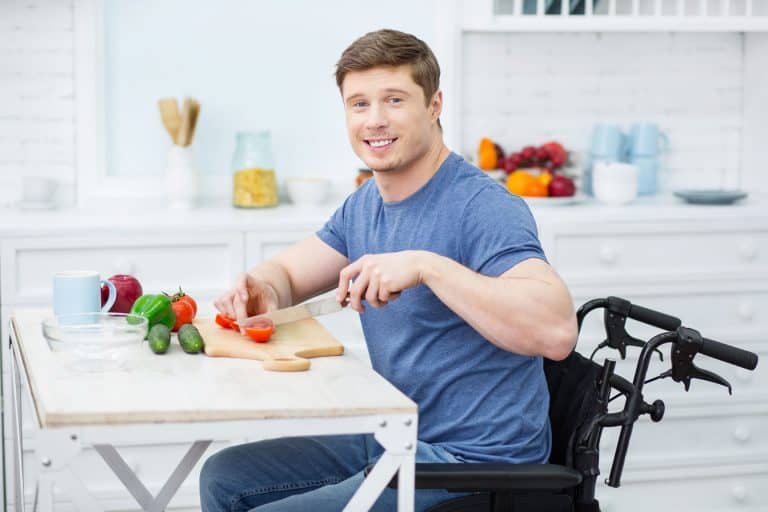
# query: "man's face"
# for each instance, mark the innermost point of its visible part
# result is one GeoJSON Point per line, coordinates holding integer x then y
{"type": "Point", "coordinates": [389, 124]}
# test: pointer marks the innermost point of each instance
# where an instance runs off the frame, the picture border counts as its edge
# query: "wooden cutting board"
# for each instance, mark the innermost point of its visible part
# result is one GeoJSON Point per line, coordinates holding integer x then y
{"type": "Point", "coordinates": [289, 349]}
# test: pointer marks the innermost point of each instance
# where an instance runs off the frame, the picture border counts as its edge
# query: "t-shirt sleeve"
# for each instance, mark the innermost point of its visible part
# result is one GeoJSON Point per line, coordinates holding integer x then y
{"type": "Point", "coordinates": [333, 232]}
{"type": "Point", "coordinates": [499, 232]}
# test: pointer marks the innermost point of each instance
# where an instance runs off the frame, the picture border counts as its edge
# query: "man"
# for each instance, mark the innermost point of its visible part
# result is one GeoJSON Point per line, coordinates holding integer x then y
{"type": "Point", "coordinates": [455, 297]}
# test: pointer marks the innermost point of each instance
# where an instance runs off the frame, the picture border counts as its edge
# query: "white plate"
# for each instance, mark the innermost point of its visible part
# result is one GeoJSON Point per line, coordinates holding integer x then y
{"type": "Point", "coordinates": [553, 201]}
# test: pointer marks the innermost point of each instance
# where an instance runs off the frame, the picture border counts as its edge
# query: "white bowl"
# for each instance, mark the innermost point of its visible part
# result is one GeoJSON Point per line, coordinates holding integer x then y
{"type": "Point", "coordinates": [307, 190]}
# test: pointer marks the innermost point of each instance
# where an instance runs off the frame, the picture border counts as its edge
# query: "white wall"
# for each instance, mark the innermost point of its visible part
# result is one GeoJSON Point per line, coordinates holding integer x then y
{"type": "Point", "coordinates": [266, 64]}
{"type": "Point", "coordinates": [253, 65]}
{"type": "Point", "coordinates": [236, 56]}
{"type": "Point", "coordinates": [522, 89]}
{"type": "Point", "coordinates": [37, 104]}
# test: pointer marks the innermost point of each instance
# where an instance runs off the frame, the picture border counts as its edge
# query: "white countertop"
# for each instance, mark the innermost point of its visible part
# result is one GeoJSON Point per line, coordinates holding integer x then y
{"type": "Point", "coordinates": [131, 217]}
{"type": "Point", "coordinates": [176, 387]}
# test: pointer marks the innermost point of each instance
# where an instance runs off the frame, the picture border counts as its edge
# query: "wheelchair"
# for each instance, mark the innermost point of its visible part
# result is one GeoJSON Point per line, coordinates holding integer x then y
{"type": "Point", "coordinates": [580, 391]}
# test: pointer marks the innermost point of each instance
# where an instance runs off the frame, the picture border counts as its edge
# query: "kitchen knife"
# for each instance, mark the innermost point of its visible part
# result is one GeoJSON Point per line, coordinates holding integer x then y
{"type": "Point", "coordinates": [299, 312]}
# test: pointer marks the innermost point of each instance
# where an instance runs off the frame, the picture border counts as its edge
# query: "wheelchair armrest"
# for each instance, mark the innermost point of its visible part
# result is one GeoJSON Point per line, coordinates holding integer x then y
{"type": "Point", "coordinates": [480, 476]}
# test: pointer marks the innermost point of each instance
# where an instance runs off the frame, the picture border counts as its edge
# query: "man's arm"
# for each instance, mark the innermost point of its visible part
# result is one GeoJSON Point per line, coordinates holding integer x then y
{"type": "Point", "coordinates": [527, 310]}
{"type": "Point", "coordinates": [303, 270]}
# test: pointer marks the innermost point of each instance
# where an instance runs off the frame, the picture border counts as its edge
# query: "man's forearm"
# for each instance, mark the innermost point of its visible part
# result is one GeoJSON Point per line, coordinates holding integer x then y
{"type": "Point", "coordinates": [525, 314]}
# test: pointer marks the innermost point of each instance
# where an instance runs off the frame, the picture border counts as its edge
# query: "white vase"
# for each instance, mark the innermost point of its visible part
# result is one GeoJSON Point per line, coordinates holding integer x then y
{"type": "Point", "coordinates": [180, 178]}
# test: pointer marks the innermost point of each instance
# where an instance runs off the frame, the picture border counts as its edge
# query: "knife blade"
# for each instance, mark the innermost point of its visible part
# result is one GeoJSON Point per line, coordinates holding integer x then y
{"type": "Point", "coordinates": [299, 312]}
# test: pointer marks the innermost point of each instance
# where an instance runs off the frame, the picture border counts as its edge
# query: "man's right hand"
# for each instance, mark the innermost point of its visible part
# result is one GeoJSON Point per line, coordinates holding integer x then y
{"type": "Point", "coordinates": [250, 296]}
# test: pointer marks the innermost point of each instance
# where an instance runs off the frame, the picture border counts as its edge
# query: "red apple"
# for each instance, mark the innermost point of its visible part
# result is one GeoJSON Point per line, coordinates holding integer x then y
{"type": "Point", "coordinates": [128, 290]}
{"type": "Point", "coordinates": [561, 186]}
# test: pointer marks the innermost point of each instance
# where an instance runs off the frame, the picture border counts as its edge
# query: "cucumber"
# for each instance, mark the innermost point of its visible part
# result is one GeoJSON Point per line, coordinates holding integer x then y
{"type": "Point", "coordinates": [159, 338]}
{"type": "Point", "coordinates": [190, 339]}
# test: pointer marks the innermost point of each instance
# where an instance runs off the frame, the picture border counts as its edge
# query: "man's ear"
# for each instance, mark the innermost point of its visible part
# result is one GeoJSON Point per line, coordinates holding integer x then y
{"type": "Point", "coordinates": [436, 105]}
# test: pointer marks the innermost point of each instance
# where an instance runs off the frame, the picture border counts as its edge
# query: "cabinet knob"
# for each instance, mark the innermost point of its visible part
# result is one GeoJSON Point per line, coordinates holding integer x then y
{"type": "Point", "coordinates": [748, 251]}
{"type": "Point", "coordinates": [608, 254]}
{"type": "Point", "coordinates": [741, 434]}
{"type": "Point", "coordinates": [739, 493]}
{"type": "Point", "coordinates": [746, 311]}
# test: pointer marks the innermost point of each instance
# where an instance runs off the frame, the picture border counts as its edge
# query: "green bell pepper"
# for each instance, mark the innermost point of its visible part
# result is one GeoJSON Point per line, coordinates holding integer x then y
{"type": "Point", "coordinates": [156, 309]}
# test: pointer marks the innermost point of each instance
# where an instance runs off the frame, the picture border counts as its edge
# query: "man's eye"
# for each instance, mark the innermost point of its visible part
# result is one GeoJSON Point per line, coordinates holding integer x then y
{"type": "Point", "coordinates": [395, 99]}
{"type": "Point", "coordinates": [360, 104]}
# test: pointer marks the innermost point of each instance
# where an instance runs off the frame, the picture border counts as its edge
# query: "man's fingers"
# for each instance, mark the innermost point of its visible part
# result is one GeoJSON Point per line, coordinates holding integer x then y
{"type": "Point", "coordinates": [240, 307]}
{"type": "Point", "coordinates": [357, 291]}
{"type": "Point", "coordinates": [372, 291]}
{"type": "Point", "coordinates": [224, 305]}
{"type": "Point", "coordinates": [345, 278]}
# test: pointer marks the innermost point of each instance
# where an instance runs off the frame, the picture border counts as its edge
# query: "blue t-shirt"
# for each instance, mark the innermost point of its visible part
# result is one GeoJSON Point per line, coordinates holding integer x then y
{"type": "Point", "coordinates": [476, 400]}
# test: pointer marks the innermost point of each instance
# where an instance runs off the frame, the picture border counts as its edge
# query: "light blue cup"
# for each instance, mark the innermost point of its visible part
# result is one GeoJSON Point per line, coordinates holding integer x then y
{"type": "Point", "coordinates": [608, 143]}
{"type": "Point", "coordinates": [647, 173]}
{"type": "Point", "coordinates": [645, 139]}
{"type": "Point", "coordinates": [79, 291]}
{"type": "Point", "coordinates": [646, 144]}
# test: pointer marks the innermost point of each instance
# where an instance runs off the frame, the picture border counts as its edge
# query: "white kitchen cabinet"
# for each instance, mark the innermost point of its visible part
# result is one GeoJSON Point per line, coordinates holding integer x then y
{"type": "Point", "coordinates": [712, 273]}
{"type": "Point", "coordinates": [706, 265]}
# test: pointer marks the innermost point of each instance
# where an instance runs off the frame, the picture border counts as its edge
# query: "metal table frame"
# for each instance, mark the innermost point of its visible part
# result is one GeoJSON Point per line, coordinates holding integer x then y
{"type": "Point", "coordinates": [58, 447]}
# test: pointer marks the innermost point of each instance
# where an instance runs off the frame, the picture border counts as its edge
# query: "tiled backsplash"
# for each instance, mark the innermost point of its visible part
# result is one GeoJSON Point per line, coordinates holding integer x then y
{"type": "Point", "coordinates": [527, 88]}
{"type": "Point", "coordinates": [37, 102]}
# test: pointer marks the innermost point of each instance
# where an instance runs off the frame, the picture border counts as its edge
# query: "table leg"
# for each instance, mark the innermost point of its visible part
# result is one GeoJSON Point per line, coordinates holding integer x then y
{"type": "Point", "coordinates": [137, 489]}
{"type": "Point", "coordinates": [16, 433]}
{"type": "Point", "coordinates": [398, 437]}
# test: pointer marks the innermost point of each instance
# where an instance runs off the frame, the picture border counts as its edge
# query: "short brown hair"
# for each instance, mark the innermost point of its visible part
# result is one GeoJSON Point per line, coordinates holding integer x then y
{"type": "Point", "coordinates": [392, 48]}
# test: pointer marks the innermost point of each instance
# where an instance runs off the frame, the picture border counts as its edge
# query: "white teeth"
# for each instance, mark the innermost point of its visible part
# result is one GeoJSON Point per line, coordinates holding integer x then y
{"type": "Point", "coordinates": [380, 143]}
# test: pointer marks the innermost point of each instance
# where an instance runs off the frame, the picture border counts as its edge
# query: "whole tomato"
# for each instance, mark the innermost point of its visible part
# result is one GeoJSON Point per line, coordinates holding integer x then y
{"type": "Point", "coordinates": [181, 296]}
{"type": "Point", "coordinates": [184, 313]}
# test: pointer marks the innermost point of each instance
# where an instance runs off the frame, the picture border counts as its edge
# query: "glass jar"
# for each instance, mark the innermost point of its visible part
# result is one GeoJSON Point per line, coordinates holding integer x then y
{"type": "Point", "coordinates": [253, 171]}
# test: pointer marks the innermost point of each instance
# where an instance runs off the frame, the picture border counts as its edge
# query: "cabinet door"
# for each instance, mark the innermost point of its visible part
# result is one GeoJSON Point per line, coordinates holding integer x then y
{"type": "Point", "coordinates": [634, 252]}
{"type": "Point", "coordinates": [204, 264]}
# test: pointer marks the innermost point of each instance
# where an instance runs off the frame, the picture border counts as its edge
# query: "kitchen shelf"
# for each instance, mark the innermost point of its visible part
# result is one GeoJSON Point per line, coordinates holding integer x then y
{"type": "Point", "coordinates": [618, 16]}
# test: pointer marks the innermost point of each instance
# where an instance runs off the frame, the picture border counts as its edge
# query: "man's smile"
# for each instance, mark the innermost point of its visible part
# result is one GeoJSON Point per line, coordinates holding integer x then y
{"type": "Point", "coordinates": [380, 143]}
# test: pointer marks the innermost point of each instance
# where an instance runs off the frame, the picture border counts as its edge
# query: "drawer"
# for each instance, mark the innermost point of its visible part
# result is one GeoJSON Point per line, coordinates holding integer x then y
{"type": "Point", "coordinates": [749, 387]}
{"type": "Point", "coordinates": [715, 436]}
{"type": "Point", "coordinates": [628, 251]}
{"type": "Point", "coordinates": [726, 489]}
{"type": "Point", "coordinates": [728, 311]}
{"type": "Point", "coordinates": [204, 265]}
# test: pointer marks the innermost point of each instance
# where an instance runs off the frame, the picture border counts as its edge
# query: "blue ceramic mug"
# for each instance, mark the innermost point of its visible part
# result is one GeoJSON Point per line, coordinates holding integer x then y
{"type": "Point", "coordinates": [608, 143]}
{"type": "Point", "coordinates": [79, 291]}
{"type": "Point", "coordinates": [646, 139]}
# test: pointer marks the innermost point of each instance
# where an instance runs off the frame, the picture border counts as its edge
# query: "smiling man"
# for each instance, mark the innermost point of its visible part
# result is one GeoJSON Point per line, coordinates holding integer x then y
{"type": "Point", "coordinates": [456, 299]}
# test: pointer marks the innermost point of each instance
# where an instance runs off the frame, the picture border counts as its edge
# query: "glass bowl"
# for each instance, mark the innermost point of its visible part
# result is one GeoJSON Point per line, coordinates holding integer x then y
{"type": "Point", "coordinates": [95, 341]}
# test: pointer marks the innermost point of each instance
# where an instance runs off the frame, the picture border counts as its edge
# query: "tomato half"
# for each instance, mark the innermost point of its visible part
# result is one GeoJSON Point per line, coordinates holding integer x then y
{"type": "Point", "coordinates": [224, 321]}
{"type": "Point", "coordinates": [260, 330]}
{"type": "Point", "coordinates": [259, 334]}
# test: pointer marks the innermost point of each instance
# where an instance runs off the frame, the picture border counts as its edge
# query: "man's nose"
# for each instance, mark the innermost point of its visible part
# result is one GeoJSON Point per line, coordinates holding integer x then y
{"type": "Point", "coordinates": [376, 117]}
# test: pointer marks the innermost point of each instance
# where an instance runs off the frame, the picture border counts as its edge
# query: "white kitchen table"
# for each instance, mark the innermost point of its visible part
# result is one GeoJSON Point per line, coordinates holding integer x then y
{"type": "Point", "coordinates": [181, 396]}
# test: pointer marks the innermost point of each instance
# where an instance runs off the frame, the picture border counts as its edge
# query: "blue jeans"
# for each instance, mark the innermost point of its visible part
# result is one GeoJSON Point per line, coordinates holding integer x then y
{"type": "Point", "coordinates": [312, 474]}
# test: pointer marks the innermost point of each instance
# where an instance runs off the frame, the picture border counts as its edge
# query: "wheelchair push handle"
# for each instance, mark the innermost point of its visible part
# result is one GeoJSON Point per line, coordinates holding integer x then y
{"type": "Point", "coordinates": [729, 354]}
{"type": "Point", "coordinates": [655, 318]}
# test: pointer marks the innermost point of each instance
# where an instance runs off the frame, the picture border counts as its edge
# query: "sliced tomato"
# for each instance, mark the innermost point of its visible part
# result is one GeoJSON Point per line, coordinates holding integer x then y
{"type": "Point", "coordinates": [224, 321]}
{"type": "Point", "coordinates": [260, 330]}
{"type": "Point", "coordinates": [259, 334]}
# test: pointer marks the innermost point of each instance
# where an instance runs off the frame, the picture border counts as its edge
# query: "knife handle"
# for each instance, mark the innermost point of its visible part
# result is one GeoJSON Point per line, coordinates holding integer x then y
{"type": "Point", "coordinates": [286, 364]}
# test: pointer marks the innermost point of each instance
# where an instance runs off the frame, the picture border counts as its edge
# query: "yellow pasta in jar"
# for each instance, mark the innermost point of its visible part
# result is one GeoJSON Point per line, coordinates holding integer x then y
{"type": "Point", "coordinates": [254, 188]}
